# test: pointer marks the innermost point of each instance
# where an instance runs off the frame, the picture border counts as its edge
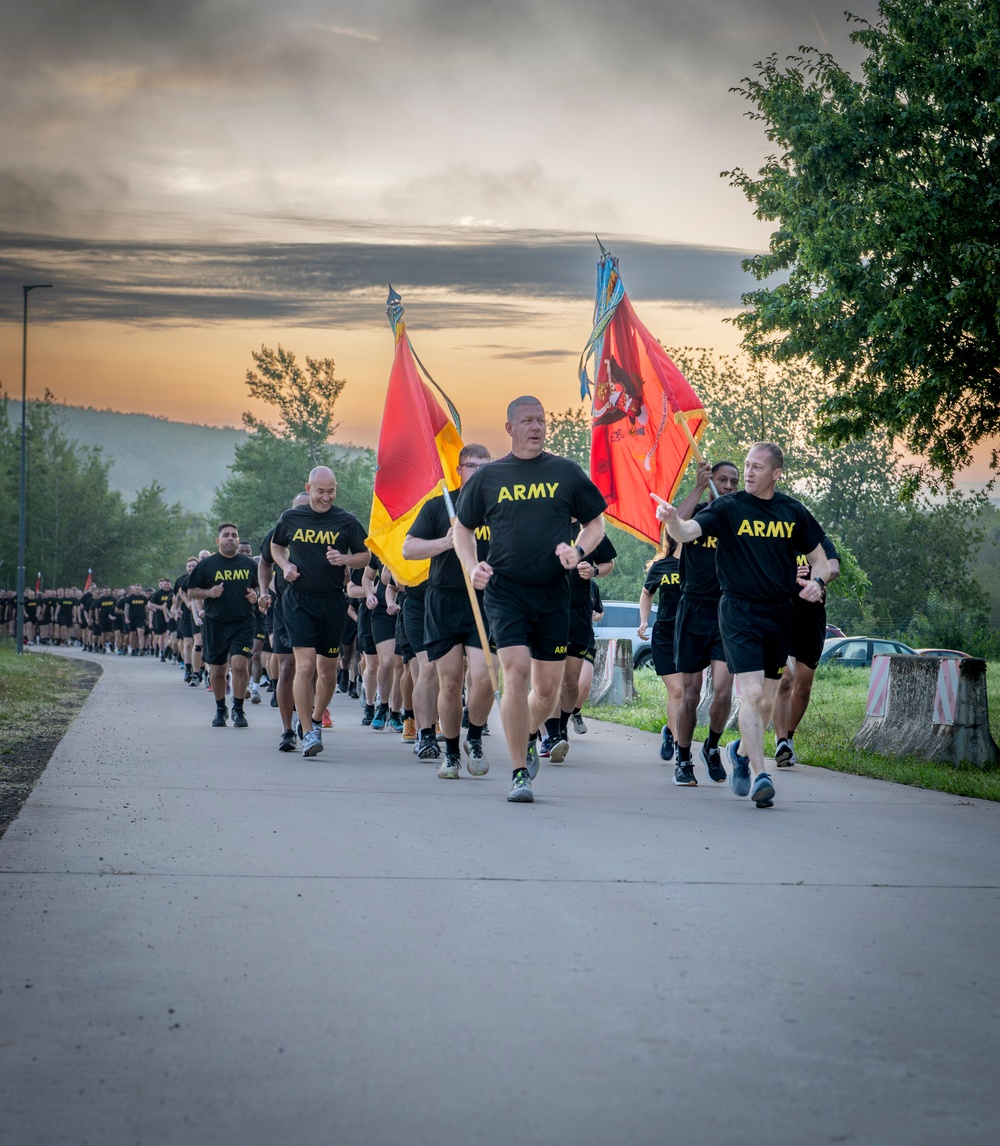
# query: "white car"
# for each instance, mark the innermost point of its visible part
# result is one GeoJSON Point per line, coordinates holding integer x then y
{"type": "Point", "coordinates": [621, 621]}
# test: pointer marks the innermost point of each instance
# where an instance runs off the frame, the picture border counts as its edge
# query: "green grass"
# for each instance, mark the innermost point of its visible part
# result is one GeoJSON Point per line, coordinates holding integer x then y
{"type": "Point", "coordinates": [826, 737]}
{"type": "Point", "coordinates": [29, 684]}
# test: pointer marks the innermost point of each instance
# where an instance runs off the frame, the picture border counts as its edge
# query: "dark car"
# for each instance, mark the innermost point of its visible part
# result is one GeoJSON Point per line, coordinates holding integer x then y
{"type": "Point", "coordinates": [833, 631]}
{"type": "Point", "coordinates": [857, 652]}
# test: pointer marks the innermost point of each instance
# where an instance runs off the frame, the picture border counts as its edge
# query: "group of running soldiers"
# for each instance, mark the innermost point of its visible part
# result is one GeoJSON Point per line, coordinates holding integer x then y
{"type": "Point", "coordinates": [740, 584]}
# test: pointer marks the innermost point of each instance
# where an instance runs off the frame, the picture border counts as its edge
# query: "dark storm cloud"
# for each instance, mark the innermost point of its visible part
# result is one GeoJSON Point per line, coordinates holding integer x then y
{"type": "Point", "coordinates": [317, 283]}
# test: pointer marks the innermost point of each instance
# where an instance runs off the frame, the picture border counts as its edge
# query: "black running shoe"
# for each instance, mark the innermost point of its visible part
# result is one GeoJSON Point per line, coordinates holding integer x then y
{"type": "Point", "coordinates": [666, 743]}
{"type": "Point", "coordinates": [274, 700]}
{"type": "Point", "coordinates": [712, 759]}
{"type": "Point", "coordinates": [239, 720]}
{"type": "Point", "coordinates": [684, 776]}
{"type": "Point", "coordinates": [287, 741]}
{"type": "Point", "coordinates": [221, 715]}
{"type": "Point", "coordinates": [427, 749]}
{"type": "Point", "coordinates": [368, 715]}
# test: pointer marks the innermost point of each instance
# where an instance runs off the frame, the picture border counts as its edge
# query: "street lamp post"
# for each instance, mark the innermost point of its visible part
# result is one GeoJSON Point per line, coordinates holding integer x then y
{"type": "Point", "coordinates": [24, 451]}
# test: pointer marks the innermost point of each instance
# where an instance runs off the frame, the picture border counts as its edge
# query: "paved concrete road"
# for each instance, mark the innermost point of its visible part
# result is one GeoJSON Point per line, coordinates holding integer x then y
{"type": "Point", "coordinates": [205, 941]}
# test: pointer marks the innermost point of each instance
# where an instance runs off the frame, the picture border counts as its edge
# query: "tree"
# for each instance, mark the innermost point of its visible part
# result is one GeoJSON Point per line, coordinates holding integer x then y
{"type": "Point", "coordinates": [274, 462]}
{"type": "Point", "coordinates": [888, 207]}
{"type": "Point", "coordinates": [305, 400]}
{"type": "Point", "coordinates": [158, 539]}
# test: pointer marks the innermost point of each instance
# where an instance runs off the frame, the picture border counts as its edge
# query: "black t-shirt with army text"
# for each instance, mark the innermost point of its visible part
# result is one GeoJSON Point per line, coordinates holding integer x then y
{"type": "Point", "coordinates": [801, 561]}
{"type": "Point", "coordinates": [237, 574]}
{"type": "Point", "coordinates": [664, 577]}
{"type": "Point", "coordinates": [579, 589]}
{"type": "Point", "coordinates": [529, 505]}
{"type": "Point", "coordinates": [306, 535]}
{"type": "Point", "coordinates": [758, 542]}
{"type": "Point", "coordinates": [699, 576]}
{"type": "Point", "coordinates": [433, 522]}
{"type": "Point", "coordinates": [268, 556]}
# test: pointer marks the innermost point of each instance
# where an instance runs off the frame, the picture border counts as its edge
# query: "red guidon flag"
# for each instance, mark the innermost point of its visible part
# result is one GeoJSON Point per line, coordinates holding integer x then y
{"type": "Point", "coordinates": [418, 447]}
{"type": "Point", "coordinates": [89, 581]}
{"type": "Point", "coordinates": [645, 416]}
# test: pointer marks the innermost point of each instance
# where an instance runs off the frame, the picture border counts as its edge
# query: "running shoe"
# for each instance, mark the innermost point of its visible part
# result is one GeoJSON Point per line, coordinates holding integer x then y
{"type": "Point", "coordinates": [312, 743]}
{"type": "Point", "coordinates": [352, 690]}
{"type": "Point", "coordinates": [368, 715]}
{"type": "Point", "coordinates": [380, 717]}
{"type": "Point", "coordinates": [239, 719]}
{"type": "Point", "coordinates": [544, 747]}
{"type": "Point", "coordinates": [255, 694]}
{"type": "Point", "coordinates": [297, 726]}
{"type": "Point", "coordinates": [579, 724]}
{"type": "Point", "coordinates": [274, 700]}
{"type": "Point", "coordinates": [327, 719]}
{"type": "Point", "coordinates": [477, 764]}
{"type": "Point", "coordinates": [684, 776]}
{"type": "Point", "coordinates": [486, 728]}
{"type": "Point", "coordinates": [739, 770]}
{"type": "Point", "coordinates": [287, 741]}
{"type": "Point", "coordinates": [558, 748]}
{"type": "Point", "coordinates": [221, 716]}
{"type": "Point", "coordinates": [427, 750]}
{"type": "Point", "coordinates": [451, 767]}
{"type": "Point", "coordinates": [195, 680]}
{"type": "Point", "coordinates": [409, 735]}
{"type": "Point", "coordinates": [520, 790]}
{"type": "Point", "coordinates": [666, 743]}
{"type": "Point", "coordinates": [784, 754]}
{"type": "Point", "coordinates": [762, 792]}
{"type": "Point", "coordinates": [531, 761]}
{"type": "Point", "coordinates": [712, 759]}
{"type": "Point", "coordinates": [395, 722]}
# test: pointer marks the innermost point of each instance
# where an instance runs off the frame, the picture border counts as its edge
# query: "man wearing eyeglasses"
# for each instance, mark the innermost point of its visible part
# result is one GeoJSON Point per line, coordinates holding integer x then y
{"type": "Point", "coordinates": [528, 501]}
{"type": "Point", "coordinates": [449, 630]}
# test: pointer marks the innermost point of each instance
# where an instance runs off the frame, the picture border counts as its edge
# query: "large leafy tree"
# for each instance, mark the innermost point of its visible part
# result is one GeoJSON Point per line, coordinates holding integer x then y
{"type": "Point", "coordinates": [886, 194]}
{"type": "Point", "coordinates": [274, 462]}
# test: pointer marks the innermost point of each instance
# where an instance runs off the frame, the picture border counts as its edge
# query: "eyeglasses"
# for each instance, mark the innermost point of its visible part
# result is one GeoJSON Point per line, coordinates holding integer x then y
{"type": "Point", "coordinates": [471, 465]}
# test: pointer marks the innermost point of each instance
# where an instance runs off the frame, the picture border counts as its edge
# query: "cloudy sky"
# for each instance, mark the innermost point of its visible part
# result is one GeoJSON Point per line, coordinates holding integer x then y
{"type": "Point", "coordinates": [200, 177]}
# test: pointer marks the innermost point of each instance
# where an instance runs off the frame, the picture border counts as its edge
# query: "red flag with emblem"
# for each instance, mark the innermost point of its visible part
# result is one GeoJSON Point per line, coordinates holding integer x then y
{"type": "Point", "coordinates": [646, 418]}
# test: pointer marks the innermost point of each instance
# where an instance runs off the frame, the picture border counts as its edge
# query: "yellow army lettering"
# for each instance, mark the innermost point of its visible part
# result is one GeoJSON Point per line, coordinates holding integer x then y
{"type": "Point", "coordinates": [560, 649]}
{"type": "Point", "coordinates": [670, 579]}
{"type": "Point", "coordinates": [483, 533]}
{"type": "Point", "coordinates": [765, 528]}
{"type": "Point", "coordinates": [528, 492]}
{"type": "Point", "coordinates": [232, 575]}
{"type": "Point", "coordinates": [316, 536]}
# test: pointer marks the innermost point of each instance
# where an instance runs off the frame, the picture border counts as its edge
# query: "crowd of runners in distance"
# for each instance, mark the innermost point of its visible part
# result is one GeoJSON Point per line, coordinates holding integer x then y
{"type": "Point", "coordinates": [739, 586]}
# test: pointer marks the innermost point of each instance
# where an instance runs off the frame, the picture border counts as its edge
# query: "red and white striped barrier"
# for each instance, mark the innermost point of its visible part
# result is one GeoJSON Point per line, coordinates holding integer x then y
{"type": "Point", "coordinates": [946, 695]}
{"type": "Point", "coordinates": [878, 690]}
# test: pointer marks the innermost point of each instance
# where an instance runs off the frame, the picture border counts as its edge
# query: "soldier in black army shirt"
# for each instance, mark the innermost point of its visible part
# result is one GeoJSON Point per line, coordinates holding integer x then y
{"type": "Point", "coordinates": [450, 634]}
{"type": "Point", "coordinates": [528, 499]}
{"type": "Point", "coordinates": [226, 582]}
{"type": "Point", "coordinates": [313, 545]}
{"type": "Point", "coordinates": [759, 531]}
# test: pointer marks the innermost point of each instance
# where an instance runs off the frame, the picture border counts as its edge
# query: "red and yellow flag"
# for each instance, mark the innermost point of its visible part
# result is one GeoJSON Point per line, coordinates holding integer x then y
{"type": "Point", "coordinates": [646, 418]}
{"type": "Point", "coordinates": [418, 447]}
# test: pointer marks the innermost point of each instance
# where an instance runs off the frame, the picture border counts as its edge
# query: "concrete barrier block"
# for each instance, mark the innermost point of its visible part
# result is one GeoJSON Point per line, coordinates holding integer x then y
{"type": "Point", "coordinates": [614, 682]}
{"type": "Point", "coordinates": [930, 709]}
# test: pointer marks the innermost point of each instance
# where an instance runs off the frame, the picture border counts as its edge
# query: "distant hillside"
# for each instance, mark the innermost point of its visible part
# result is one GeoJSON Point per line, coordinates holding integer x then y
{"type": "Point", "coordinates": [189, 461]}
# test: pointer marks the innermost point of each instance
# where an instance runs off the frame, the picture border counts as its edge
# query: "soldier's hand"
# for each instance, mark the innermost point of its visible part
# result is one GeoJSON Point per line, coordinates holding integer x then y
{"type": "Point", "coordinates": [480, 574]}
{"type": "Point", "coordinates": [291, 572]}
{"type": "Point", "coordinates": [334, 556]}
{"type": "Point", "coordinates": [665, 512]}
{"type": "Point", "coordinates": [568, 556]}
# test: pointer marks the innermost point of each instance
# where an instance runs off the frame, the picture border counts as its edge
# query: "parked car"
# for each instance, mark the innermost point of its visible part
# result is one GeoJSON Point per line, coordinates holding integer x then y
{"type": "Point", "coordinates": [942, 653]}
{"type": "Point", "coordinates": [858, 651]}
{"type": "Point", "coordinates": [621, 620]}
{"type": "Point", "coordinates": [833, 631]}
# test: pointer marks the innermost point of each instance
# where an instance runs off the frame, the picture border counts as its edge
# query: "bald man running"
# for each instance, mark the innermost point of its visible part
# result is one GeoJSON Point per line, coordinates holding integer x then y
{"type": "Point", "coordinates": [313, 545]}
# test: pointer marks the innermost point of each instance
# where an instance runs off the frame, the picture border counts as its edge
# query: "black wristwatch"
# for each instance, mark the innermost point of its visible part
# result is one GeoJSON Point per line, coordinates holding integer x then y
{"type": "Point", "coordinates": [580, 551]}
{"type": "Point", "coordinates": [820, 582]}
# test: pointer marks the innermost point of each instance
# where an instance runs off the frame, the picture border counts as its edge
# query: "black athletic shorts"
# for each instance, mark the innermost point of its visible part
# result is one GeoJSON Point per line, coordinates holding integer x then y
{"type": "Point", "coordinates": [159, 624]}
{"type": "Point", "coordinates": [185, 628]}
{"type": "Point", "coordinates": [314, 620]}
{"type": "Point", "coordinates": [350, 634]}
{"type": "Point", "coordinates": [65, 618]}
{"type": "Point", "coordinates": [413, 620]}
{"type": "Point", "coordinates": [757, 635]}
{"type": "Point", "coordinates": [533, 615]}
{"type": "Point", "coordinates": [383, 626]}
{"type": "Point", "coordinates": [661, 641]}
{"type": "Point", "coordinates": [448, 621]}
{"type": "Point", "coordinates": [697, 639]}
{"type": "Point", "coordinates": [279, 634]}
{"type": "Point", "coordinates": [260, 630]}
{"type": "Point", "coordinates": [108, 626]}
{"type": "Point", "coordinates": [366, 642]}
{"type": "Point", "coordinates": [222, 641]}
{"type": "Point", "coordinates": [403, 647]}
{"type": "Point", "coordinates": [808, 631]}
{"type": "Point", "coordinates": [581, 634]}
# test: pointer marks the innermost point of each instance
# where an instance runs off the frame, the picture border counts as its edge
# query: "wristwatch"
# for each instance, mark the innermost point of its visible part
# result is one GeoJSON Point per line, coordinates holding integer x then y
{"type": "Point", "coordinates": [581, 553]}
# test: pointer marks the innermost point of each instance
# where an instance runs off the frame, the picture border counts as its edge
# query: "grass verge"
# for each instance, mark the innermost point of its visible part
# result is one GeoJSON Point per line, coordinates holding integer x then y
{"type": "Point", "coordinates": [31, 684]}
{"type": "Point", "coordinates": [826, 738]}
